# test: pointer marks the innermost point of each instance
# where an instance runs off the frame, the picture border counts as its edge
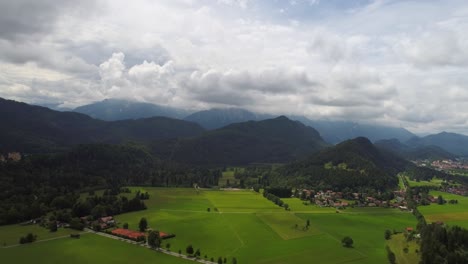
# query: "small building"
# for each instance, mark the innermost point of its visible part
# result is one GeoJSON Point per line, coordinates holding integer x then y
{"type": "Point", "coordinates": [409, 229]}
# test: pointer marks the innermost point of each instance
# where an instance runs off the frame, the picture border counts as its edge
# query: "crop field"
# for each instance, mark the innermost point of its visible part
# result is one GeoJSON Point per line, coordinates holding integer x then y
{"type": "Point", "coordinates": [452, 214]}
{"type": "Point", "coordinates": [241, 224]}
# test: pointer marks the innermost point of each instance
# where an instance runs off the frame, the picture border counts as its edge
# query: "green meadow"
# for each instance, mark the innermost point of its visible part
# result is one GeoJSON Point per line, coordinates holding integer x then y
{"type": "Point", "coordinates": [452, 214]}
{"type": "Point", "coordinates": [398, 244]}
{"type": "Point", "coordinates": [434, 182]}
{"type": "Point", "coordinates": [244, 225]}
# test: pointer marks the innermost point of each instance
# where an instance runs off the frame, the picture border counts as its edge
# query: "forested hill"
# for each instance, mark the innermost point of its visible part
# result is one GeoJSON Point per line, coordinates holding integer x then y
{"type": "Point", "coordinates": [35, 129]}
{"type": "Point", "coordinates": [271, 141]}
{"type": "Point", "coordinates": [353, 164]}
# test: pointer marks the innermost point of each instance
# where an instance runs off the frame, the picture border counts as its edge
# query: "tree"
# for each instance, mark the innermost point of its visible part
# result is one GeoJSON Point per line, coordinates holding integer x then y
{"type": "Point", "coordinates": [189, 250]}
{"type": "Point", "coordinates": [125, 225]}
{"type": "Point", "coordinates": [286, 206]}
{"type": "Point", "coordinates": [440, 200]}
{"type": "Point", "coordinates": [220, 260]}
{"type": "Point", "coordinates": [154, 239]}
{"type": "Point", "coordinates": [168, 246]}
{"type": "Point", "coordinates": [143, 224]}
{"type": "Point", "coordinates": [391, 256]}
{"type": "Point", "coordinates": [53, 226]}
{"type": "Point", "coordinates": [208, 209]}
{"type": "Point", "coordinates": [234, 261]}
{"type": "Point", "coordinates": [388, 234]}
{"type": "Point", "coordinates": [197, 253]}
{"type": "Point", "coordinates": [307, 223]}
{"type": "Point", "coordinates": [225, 260]}
{"type": "Point", "coordinates": [347, 241]}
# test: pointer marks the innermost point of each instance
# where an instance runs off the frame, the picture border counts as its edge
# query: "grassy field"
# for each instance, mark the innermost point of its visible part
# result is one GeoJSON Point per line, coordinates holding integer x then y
{"type": "Point", "coordinates": [10, 234]}
{"type": "Point", "coordinates": [452, 214]}
{"type": "Point", "coordinates": [246, 226]}
{"type": "Point", "coordinates": [398, 243]}
{"type": "Point", "coordinates": [90, 248]}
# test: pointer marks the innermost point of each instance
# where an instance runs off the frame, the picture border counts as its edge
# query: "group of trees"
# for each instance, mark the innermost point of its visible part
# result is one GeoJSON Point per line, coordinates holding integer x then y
{"type": "Point", "coordinates": [29, 238]}
{"type": "Point", "coordinates": [441, 244]}
{"type": "Point", "coordinates": [275, 199]}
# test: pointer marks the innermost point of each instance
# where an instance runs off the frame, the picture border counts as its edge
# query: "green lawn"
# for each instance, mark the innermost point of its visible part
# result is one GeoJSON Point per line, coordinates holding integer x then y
{"type": "Point", "coordinates": [246, 226]}
{"type": "Point", "coordinates": [452, 214]}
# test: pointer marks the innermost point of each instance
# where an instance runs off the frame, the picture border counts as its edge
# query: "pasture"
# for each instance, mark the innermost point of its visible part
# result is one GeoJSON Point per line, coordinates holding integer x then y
{"type": "Point", "coordinates": [451, 214]}
{"type": "Point", "coordinates": [244, 225]}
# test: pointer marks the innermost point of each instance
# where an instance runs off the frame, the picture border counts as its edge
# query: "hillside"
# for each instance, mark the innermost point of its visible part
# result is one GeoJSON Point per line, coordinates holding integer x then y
{"type": "Point", "coordinates": [272, 140]}
{"type": "Point", "coordinates": [118, 109]}
{"type": "Point", "coordinates": [414, 153]}
{"type": "Point", "coordinates": [352, 164]}
{"type": "Point", "coordinates": [35, 129]}
{"type": "Point", "coordinates": [451, 142]}
{"type": "Point", "coordinates": [217, 118]}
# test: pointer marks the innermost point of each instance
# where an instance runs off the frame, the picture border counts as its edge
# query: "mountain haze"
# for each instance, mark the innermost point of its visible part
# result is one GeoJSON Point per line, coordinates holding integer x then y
{"type": "Point", "coordinates": [451, 142]}
{"type": "Point", "coordinates": [118, 109]}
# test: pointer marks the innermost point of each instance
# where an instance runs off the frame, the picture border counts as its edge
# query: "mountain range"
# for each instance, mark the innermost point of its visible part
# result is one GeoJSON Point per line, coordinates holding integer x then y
{"type": "Point", "coordinates": [272, 140]}
{"type": "Point", "coordinates": [331, 131]}
{"type": "Point", "coordinates": [119, 109]}
{"type": "Point", "coordinates": [36, 129]}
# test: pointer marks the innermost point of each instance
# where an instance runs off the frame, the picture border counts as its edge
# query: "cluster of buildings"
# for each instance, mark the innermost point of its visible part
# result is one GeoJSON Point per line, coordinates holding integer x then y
{"type": "Point", "coordinates": [336, 199]}
{"type": "Point", "coordinates": [449, 165]}
{"type": "Point", "coordinates": [13, 156]}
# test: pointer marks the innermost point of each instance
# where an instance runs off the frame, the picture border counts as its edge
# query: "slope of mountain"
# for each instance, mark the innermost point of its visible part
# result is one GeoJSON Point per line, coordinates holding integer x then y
{"type": "Point", "coordinates": [337, 131]}
{"type": "Point", "coordinates": [414, 153]}
{"type": "Point", "coordinates": [35, 129]}
{"type": "Point", "coordinates": [117, 109]}
{"type": "Point", "coordinates": [352, 164]}
{"type": "Point", "coordinates": [272, 140]}
{"type": "Point", "coordinates": [217, 118]}
{"type": "Point", "coordinates": [451, 142]}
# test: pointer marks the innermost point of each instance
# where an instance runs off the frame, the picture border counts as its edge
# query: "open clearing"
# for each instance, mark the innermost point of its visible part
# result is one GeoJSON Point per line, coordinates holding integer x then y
{"type": "Point", "coordinates": [245, 225]}
{"type": "Point", "coordinates": [452, 214]}
{"type": "Point", "coordinates": [398, 243]}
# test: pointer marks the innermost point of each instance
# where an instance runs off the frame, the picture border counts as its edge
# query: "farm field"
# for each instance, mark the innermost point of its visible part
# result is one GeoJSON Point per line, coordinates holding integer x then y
{"type": "Point", "coordinates": [90, 248]}
{"type": "Point", "coordinates": [452, 214]}
{"type": "Point", "coordinates": [247, 226]}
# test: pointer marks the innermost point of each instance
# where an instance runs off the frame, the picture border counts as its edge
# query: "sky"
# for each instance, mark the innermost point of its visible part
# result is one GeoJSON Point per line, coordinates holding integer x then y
{"type": "Point", "coordinates": [397, 63]}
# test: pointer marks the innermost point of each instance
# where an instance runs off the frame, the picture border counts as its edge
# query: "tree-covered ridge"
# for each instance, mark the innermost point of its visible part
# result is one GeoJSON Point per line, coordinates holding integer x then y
{"type": "Point", "coordinates": [272, 140]}
{"type": "Point", "coordinates": [354, 164]}
{"type": "Point", "coordinates": [35, 129]}
{"type": "Point", "coordinates": [28, 187]}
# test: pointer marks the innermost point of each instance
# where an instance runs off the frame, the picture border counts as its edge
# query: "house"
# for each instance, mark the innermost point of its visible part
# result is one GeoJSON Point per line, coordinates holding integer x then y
{"type": "Point", "coordinates": [14, 156]}
{"type": "Point", "coordinates": [409, 229]}
{"type": "Point", "coordinates": [106, 222]}
{"type": "Point", "coordinates": [2, 158]}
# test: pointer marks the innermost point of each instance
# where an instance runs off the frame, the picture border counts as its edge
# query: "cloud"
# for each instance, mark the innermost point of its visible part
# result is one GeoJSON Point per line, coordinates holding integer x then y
{"type": "Point", "coordinates": [321, 59]}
